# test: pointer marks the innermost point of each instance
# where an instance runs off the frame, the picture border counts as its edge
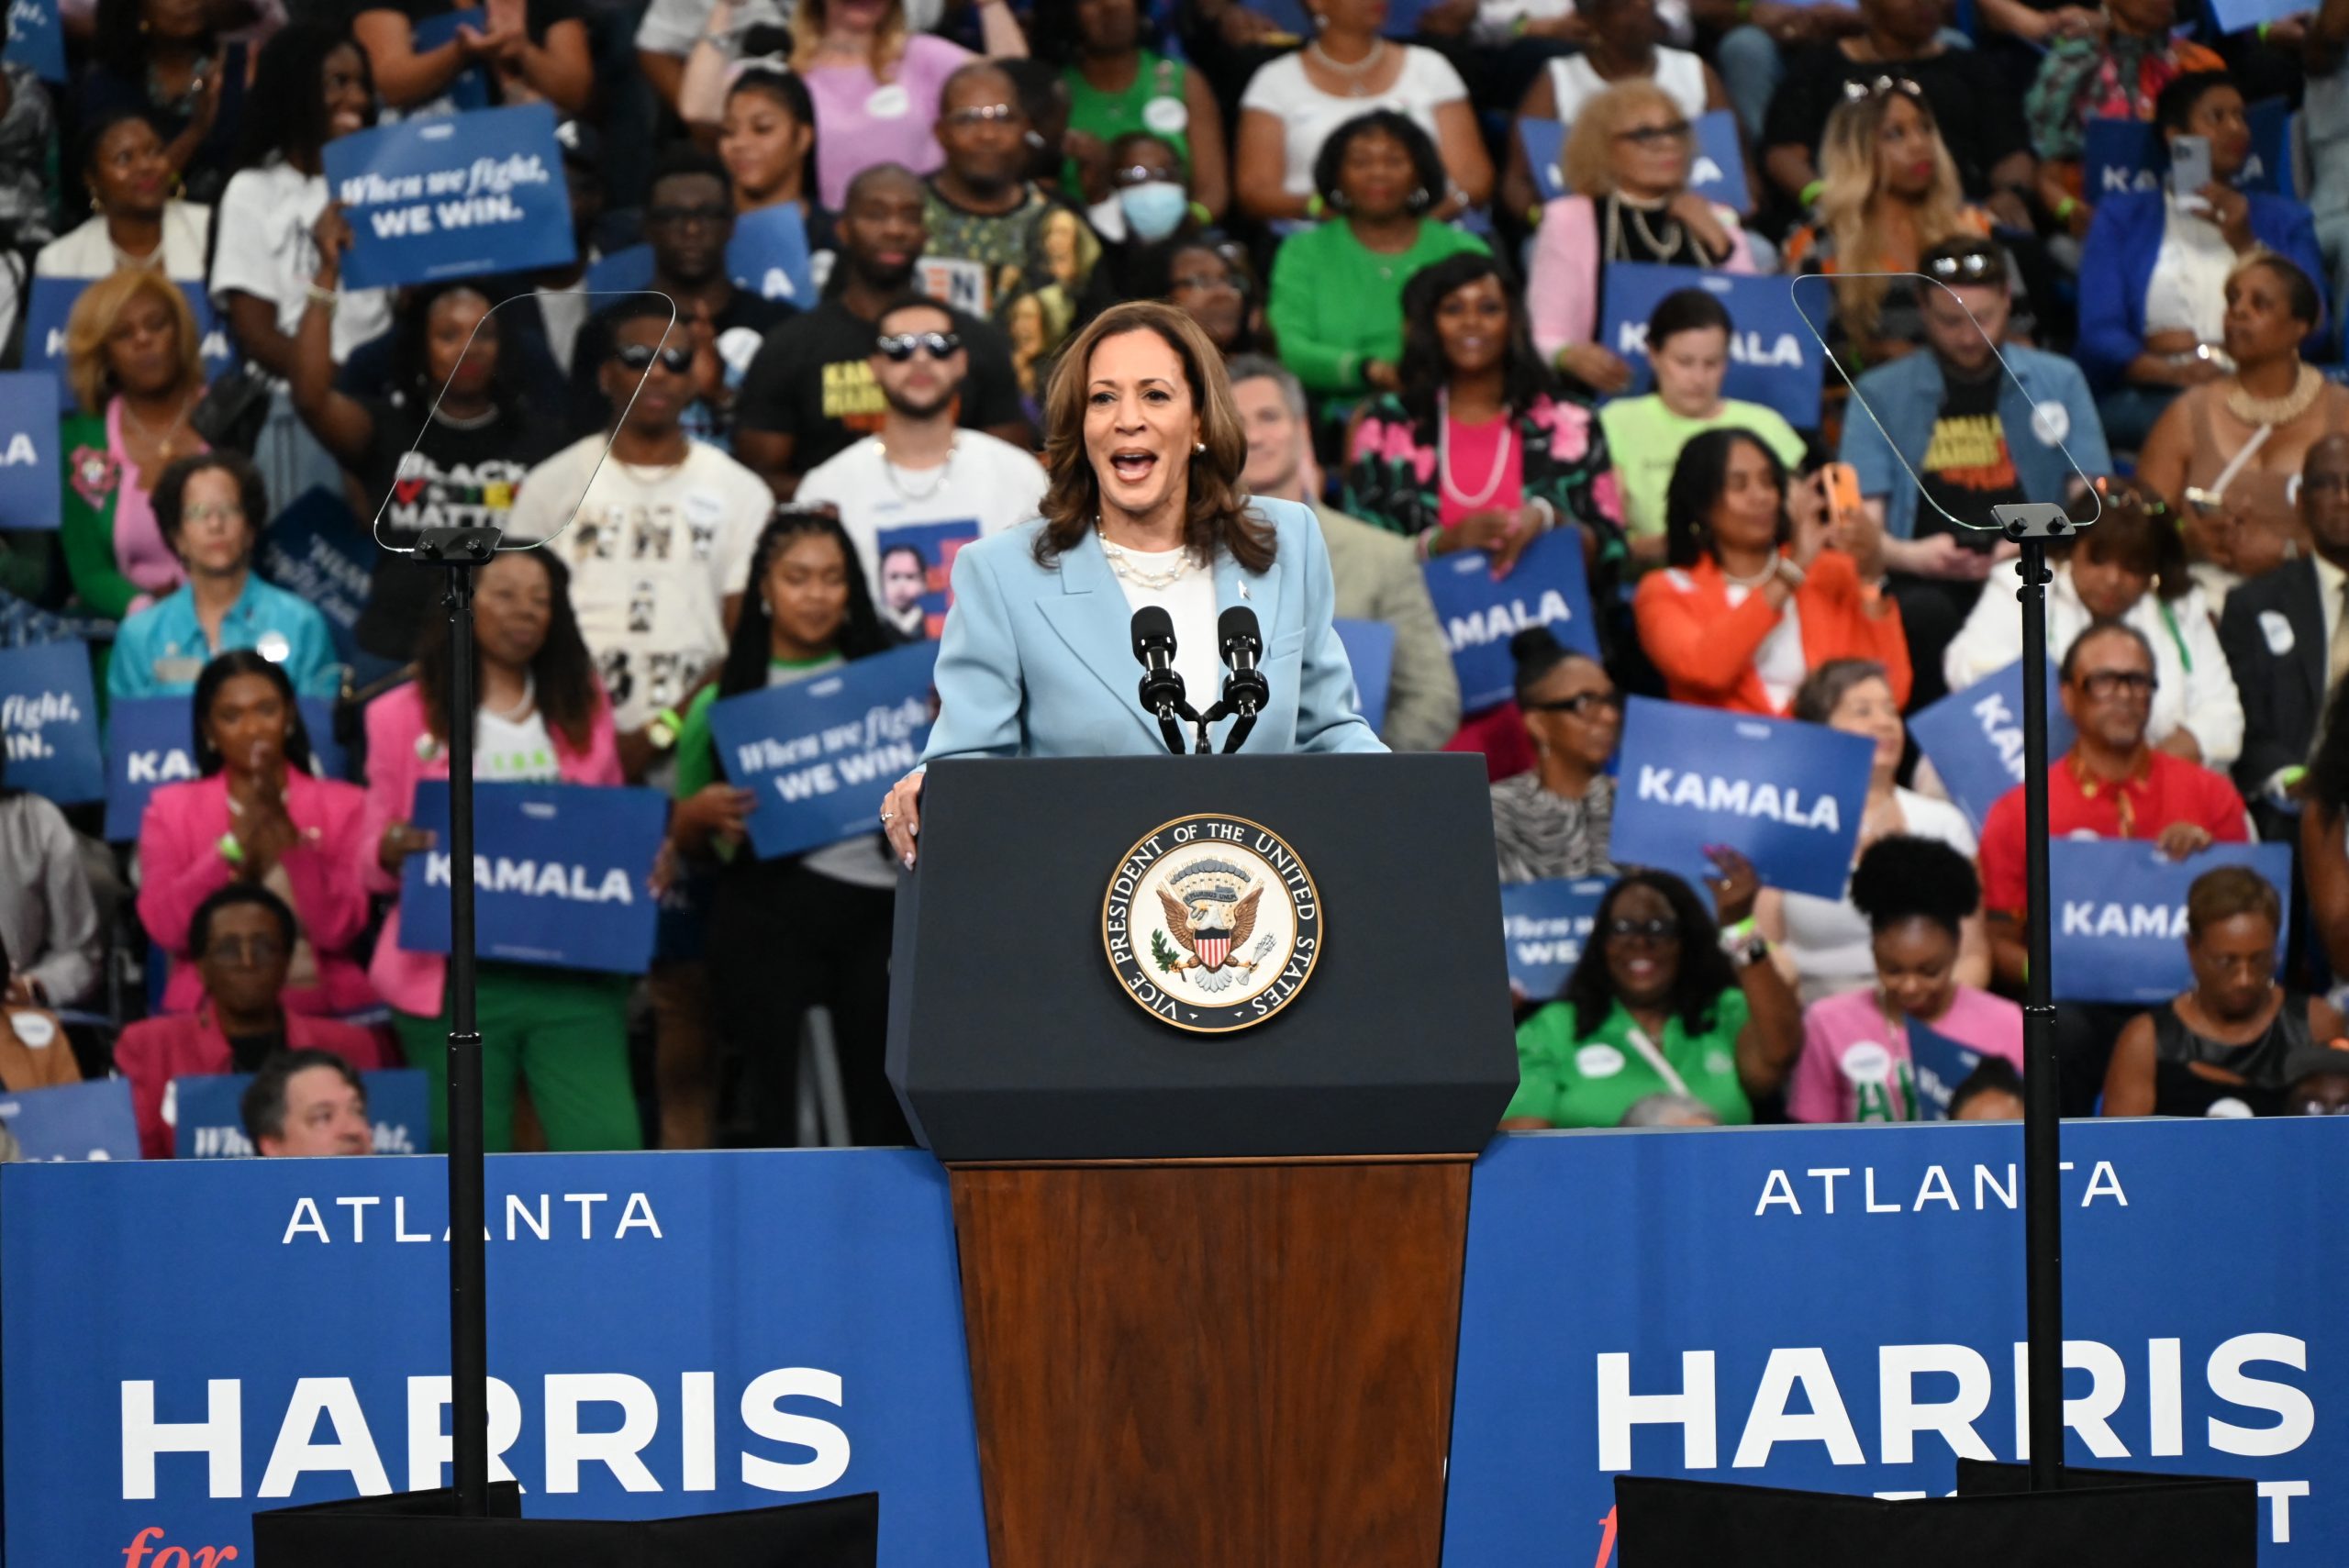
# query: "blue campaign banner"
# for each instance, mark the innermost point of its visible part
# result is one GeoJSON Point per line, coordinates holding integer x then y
{"type": "Point", "coordinates": [934, 545]}
{"type": "Point", "coordinates": [151, 742]}
{"type": "Point", "coordinates": [468, 89]}
{"type": "Point", "coordinates": [1788, 796]}
{"type": "Point", "coordinates": [1974, 739]}
{"type": "Point", "coordinates": [1716, 173]}
{"type": "Point", "coordinates": [48, 722]}
{"type": "Point", "coordinates": [452, 195]}
{"type": "Point", "coordinates": [36, 40]}
{"type": "Point", "coordinates": [621, 270]}
{"type": "Point", "coordinates": [561, 875]}
{"type": "Point", "coordinates": [1773, 358]}
{"type": "Point", "coordinates": [768, 256]}
{"type": "Point", "coordinates": [317, 549]}
{"type": "Point", "coordinates": [2119, 915]}
{"type": "Point", "coordinates": [50, 302]}
{"type": "Point", "coordinates": [821, 753]}
{"type": "Point", "coordinates": [669, 1334]}
{"type": "Point", "coordinates": [1291, 16]}
{"type": "Point", "coordinates": [1938, 1064]}
{"type": "Point", "coordinates": [1841, 1310]}
{"type": "Point", "coordinates": [208, 1122]}
{"type": "Point", "coordinates": [1479, 613]}
{"type": "Point", "coordinates": [1546, 925]}
{"type": "Point", "coordinates": [2238, 16]}
{"type": "Point", "coordinates": [2130, 155]}
{"type": "Point", "coordinates": [73, 1121]}
{"type": "Point", "coordinates": [32, 484]}
{"type": "Point", "coordinates": [1370, 649]}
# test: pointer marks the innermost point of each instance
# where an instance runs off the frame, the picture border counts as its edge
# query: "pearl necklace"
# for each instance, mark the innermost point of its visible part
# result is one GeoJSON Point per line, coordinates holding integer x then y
{"type": "Point", "coordinates": [1443, 455]}
{"type": "Point", "coordinates": [1675, 234]}
{"type": "Point", "coordinates": [1157, 579]}
{"type": "Point", "coordinates": [1350, 74]}
{"type": "Point", "coordinates": [1757, 580]}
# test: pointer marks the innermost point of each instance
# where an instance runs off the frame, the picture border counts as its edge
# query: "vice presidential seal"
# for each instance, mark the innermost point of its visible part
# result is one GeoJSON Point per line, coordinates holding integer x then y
{"type": "Point", "coordinates": [1211, 923]}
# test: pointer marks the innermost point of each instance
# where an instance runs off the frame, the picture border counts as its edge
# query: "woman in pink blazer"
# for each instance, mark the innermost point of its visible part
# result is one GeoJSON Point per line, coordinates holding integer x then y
{"type": "Point", "coordinates": [258, 815]}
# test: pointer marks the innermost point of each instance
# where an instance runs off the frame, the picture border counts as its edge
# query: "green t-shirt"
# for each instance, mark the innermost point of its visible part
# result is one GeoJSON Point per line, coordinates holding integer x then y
{"type": "Point", "coordinates": [1335, 303]}
{"type": "Point", "coordinates": [1644, 439]}
{"type": "Point", "coordinates": [1592, 1079]}
{"type": "Point", "coordinates": [1154, 101]}
{"type": "Point", "coordinates": [697, 749]}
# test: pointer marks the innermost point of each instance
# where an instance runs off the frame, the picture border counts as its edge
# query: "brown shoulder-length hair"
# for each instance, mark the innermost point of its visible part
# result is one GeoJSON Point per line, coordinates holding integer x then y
{"type": "Point", "coordinates": [1218, 515]}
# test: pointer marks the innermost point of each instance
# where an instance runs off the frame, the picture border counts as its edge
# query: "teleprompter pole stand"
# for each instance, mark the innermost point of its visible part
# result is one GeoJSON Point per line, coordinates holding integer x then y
{"type": "Point", "coordinates": [465, 552]}
{"type": "Point", "coordinates": [2030, 525]}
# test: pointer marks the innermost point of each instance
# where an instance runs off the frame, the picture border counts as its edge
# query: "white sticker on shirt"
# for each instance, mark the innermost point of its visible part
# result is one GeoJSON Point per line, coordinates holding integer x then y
{"type": "Point", "coordinates": [273, 646]}
{"type": "Point", "coordinates": [889, 102]}
{"type": "Point", "coordinates": [1599, 1061]}
{"type": "Point", "coordinates": [2051, 422]}
{"type": "Point", "coordinates": [2278, 630]}
{"type": "Point", "coordinates": [1867, 1062]}
{"type": "Point", "coordinates": [1166, 117]}
{"type": "Point", "coordinates": [34, 1030]}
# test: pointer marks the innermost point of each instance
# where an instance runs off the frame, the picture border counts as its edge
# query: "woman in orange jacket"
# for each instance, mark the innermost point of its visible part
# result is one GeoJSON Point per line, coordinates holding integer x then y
{"type": "Point", "coordinates": [1758, 594]}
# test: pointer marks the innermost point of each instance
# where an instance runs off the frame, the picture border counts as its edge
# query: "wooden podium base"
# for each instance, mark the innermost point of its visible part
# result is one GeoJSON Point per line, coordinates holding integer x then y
{"type": "Point", "coordinates": [1213, 1364]}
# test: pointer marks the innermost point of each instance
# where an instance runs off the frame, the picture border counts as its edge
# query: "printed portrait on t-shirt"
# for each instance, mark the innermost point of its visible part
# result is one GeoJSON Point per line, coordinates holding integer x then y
{"type": "Point", "coordinates": [916, 564]}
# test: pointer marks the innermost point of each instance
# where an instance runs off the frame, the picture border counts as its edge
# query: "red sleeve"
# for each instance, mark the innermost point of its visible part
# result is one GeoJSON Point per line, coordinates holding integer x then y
{"type": "Point", "coordinates": [1699, 646]}
{"type": "Point", "coordinates": [134, 1059]}
{"type": "Point", "coordinates": [2223, 811]}
{"type": "Point", "coordinates": [2005, 886]}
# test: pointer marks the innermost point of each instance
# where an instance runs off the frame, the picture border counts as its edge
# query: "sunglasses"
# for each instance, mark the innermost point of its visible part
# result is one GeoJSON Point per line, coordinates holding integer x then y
{"type": "Point", "coordinates": [1648, 135]}
{"type": "Point", "coordinates": [1580, 704]}
{"type": "Point", "coordinates": [899, 346]}
{"type": "Point", "coordinates": [1623, 929]}
{"type": "Point", "coordinates": [639, 357]}
{"type": "Point", "coordinates": [1972, 266]}
{"type": "Point", "coordinates": [1854, 92]}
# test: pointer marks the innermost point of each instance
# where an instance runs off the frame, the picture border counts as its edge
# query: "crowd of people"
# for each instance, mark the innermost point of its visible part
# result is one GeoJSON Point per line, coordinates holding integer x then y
{"type": "Point", "coordinates": [1412, 308]}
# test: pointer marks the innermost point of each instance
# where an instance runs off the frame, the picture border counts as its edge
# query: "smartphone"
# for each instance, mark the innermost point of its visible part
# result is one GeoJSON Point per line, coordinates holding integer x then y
{"type": "Point", "coordinates": [1843, 490]}
{"type": "Point", "coordinates": [2189, 165]}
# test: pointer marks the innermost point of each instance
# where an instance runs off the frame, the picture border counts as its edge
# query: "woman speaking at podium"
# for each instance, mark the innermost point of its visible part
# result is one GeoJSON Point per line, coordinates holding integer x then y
{"type": "Point", "coordinates": [1144, 451]}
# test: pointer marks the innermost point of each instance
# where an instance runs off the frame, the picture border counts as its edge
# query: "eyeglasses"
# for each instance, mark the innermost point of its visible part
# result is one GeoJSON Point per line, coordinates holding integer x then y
{"type": "Point", "coordinates": [1580, 704]}
{"type": "Point", "coordinates": [205, 511]}
{"type": "Point", "coordinates": [712, 215]}
{"type": "Point", "coordinates": [243, 950]}
{"type": "Point", "coordinates": [1142, 175]}
{"type": "Point", "coordinates": [639, 357]}
{"type": "Point", "coordinates": [1854, 92]}
{"type": "Point", "coordinates": [1970, 266]}
{"type": "Point", "coordinates": [899, 346]}
{"type": "Point", "coordinates": [1657, 929]}
{"type": "Point", "coordinates": [2102, 684]}
{"type": "Point", "coordinates": [1648, 135]}
{"type": "Point", "coordinates": [977, 114]}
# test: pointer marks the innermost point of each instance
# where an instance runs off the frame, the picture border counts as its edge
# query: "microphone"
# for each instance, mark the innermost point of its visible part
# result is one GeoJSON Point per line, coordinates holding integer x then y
{"type": "Point", "coordinates": [1162, 686]}
{"type": "Point", "coordinates": [1245, 690]}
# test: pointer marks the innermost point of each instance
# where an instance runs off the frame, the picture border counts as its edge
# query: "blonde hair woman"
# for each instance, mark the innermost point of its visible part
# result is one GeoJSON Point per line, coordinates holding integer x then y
{"type": "Point", "coordinates": [1627, 163]}
{"type": "Point", "coordinates": [1889, 193]}
{"type": "Point", "coordinates": [877, 84]}
{"type": "Point", "coordinates": [131, 358]}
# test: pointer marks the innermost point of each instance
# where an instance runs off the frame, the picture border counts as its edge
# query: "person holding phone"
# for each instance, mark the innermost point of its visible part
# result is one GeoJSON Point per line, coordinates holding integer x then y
{"type": "Point", "coordinates": [2153, 270]}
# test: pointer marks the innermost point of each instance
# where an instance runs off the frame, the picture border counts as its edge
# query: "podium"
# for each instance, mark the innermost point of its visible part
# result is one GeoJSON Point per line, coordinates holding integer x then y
{"type": "Point", "coordinates": [1212, 1213]}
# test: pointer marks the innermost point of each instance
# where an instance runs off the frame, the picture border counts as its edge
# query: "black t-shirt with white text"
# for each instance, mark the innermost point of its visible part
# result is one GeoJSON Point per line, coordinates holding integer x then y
{"type": "Point", "coordinates": [1968, 468]}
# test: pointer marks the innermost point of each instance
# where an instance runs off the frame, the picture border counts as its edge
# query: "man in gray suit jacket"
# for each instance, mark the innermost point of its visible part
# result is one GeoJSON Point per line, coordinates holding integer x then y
{"type": "Point", "coordinates": [1378, 575]}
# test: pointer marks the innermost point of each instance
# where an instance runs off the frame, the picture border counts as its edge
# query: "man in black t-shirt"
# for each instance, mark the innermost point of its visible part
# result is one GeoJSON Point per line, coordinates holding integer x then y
{"type": "Point", "coordinates": [810, 390]}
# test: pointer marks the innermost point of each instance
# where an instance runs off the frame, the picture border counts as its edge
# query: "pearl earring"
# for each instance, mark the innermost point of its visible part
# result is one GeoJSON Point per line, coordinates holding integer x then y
{"type": "Point", "coordinates": [1199, 449]}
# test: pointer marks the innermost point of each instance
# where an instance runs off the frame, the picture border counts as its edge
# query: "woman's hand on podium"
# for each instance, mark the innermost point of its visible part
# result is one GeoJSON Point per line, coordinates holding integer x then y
{"type": "Point", "coordinates": [901, 815]}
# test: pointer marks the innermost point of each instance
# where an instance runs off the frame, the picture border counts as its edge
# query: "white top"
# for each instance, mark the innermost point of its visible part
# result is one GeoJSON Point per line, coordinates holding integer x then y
{"type": "Point", "coordinates": [1497, 19]}
{"type": "Point", "coordinates": [88, 251]}
{"type": "Point", "coordinates": [1828, 938]}
{"type": "Point", "coordinates": [2188, 287]}
{"type": "Point", "coordinates": [2197, 690]}
{"type": "Point", "coordinates": [1308, 115]}
{"type": "Point", "coordinates": [653, 555]}
{"type": "Point", "coordinates": [986, 485]}
{"type": "Point", "coordinates": [1779, 660]}
{"type": "Point", "coordinates": [265, 250]}
{"type": "Point", "coordinates": [1189, 600]}
{"type": "Point", "coordinates": [505, 751]}
{"type": "Point", "coordinates": [2331, 581]}
{"type": "Point", "coordinates": [1680, 74]}
{"type": "Point", "coordinates": [564, 311]}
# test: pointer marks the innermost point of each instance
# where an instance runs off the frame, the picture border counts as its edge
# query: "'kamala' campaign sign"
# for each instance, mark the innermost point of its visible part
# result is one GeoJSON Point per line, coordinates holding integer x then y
{"type": "Point", "coordinates": [2119, 916]}
{"type": "Point", "coordinates": [34, 40]}
{"type": "Point", "coordinates": [1773, 358]}
{"type": "Point", "coordinates": [563, 880]}
{"type": "Point", "coordinates": [1479, 613]}
{"type": "Point", "coordinates": [208, 1114]}
{"type": "Point", "coordinates": [1716, 173]}
{"type": "Point", "coordinates": [1974, 739]}
{"type": "Point", "coordinates": [151, 741]}
{"type": "Point", "coordinates": [31, 484]}
{"type": "Point", "coordinates": [821, 753]}
{"type": "Point", "coordinates": [2130, 155]}
{"type": "Point", "coordinates": [49, 721]}
{"type": "Point", "coordinates": [50, 302]}
{"type": "Point", "coordinates": [73, 1121]}
{"type": "Point", "coordinates": [1546, 925]}
{"type": "Point", "coordinates": [452, 195]}
{"type": "Point", "coordinates": [1370, 649]}
{"type": "Point", "coordinates": [767, 256]}
{"type": "Point", "coordinates": [1786, 795]}
{"type": "Point", "coordinates": [317, 549]}
{"type": "Point", "coordinates": [1938, 1064]}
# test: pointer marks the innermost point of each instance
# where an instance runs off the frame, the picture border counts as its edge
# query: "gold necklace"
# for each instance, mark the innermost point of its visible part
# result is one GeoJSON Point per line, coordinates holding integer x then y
{"type": "Point", "coordinates": [2276, 410]}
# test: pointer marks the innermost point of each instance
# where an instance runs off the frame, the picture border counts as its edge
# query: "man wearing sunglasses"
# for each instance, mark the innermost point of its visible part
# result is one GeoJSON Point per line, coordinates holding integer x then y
{"type": "Point", "coordinates": [2111, 784]}
{"type": "Point", "coordinates": [920, 483]}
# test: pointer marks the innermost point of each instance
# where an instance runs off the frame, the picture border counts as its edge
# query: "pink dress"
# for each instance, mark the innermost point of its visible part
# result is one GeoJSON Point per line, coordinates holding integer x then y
{"type": "Point", "coordinates": [138, 546]}
{"type": "Point", "coordinates": [860, 121]}
{"type": "Point", "coordinates": [1851, 1054]}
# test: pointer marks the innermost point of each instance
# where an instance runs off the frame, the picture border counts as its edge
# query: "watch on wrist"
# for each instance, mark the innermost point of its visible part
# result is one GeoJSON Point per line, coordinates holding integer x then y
{"type": "Point", "coordinates": [664, 730]}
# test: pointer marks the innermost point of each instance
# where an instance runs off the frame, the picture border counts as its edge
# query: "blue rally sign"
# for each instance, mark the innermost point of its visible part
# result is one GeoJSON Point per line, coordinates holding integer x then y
{"type": "Point", "coordinates": [73, 1121]}
{"type": "Point", "coordinates": [32, 485]}
{"type": "Point", "coordinates": [2130, 155]}
{"type": "Point", "coordinates": [468, 89]}
{"type": "Point", "coordinates": [2120, 917]}
{"type": "Point", "coordinates": [1938, 1064]}
{"type": "Point", "coordinates": [767, 256]}
{"type": "Point", "coordinates": [209, 1119]}
{"type": "Point", "coordinates": [564, 881]}
{"type": "Point", "coordinates": [821, 753]}
{"type": "Point", "coordinates": [151, 742]}
{"type": "Point", "coordinates": [1479, 613]}
{"type": "Point", "coordinates": [1546, 925]}
{"type": "Point", "coordinates": [1786, 795]}
{"type": "Point", "coordinates": [1716, 173]}
{"type": "Point", "coordinates": [452, 195]}
{"type": "Point", "coordinates": [50, 302]}
{"type": "Point", "coordinates": [49, 721]}
{"type": "Point", "coordinates": [1370, 649]}
{"type": "Point", "coordinates": [1974, 739]}
{"type": "Point", "coordinates": [1773, 358]}
{"type": "Point", "coordinates": [314, 548]}
{"type": "Point", "coordinates": [36, 40]}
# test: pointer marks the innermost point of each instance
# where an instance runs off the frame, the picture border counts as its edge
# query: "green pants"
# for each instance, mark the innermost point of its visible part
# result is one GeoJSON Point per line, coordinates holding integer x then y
{"type": "Point", "coordinates": [563, 1031]}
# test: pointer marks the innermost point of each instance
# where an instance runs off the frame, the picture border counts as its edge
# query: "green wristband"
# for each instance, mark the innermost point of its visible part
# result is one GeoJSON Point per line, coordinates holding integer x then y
{"type": "Point", "coordinates": [231, 851]}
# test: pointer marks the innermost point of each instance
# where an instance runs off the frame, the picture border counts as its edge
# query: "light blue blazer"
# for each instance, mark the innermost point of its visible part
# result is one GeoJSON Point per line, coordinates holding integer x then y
{"type": "Point", "coordinates": [1037, 661]}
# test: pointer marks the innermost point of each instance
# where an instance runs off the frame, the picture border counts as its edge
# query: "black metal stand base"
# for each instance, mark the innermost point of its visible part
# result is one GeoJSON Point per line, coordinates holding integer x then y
{"type": "Point", "coordinates": [410, 1528]}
